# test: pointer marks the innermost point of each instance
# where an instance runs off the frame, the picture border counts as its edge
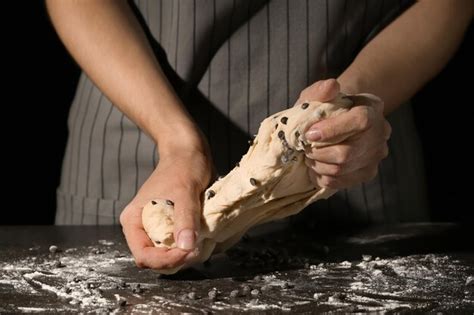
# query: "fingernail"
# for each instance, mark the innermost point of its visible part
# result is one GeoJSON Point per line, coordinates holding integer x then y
{"type": "Point", "coordinates": [313, 135]}
{"type": "Point", "coordinates": [186, 239]}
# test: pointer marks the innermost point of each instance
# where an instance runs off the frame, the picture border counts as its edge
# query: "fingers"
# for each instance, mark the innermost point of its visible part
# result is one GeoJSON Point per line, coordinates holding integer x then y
{"type": "Point", "coordinates": [148, 256]}
{"type": "Point", "coordinates": [344, 165]}
{"type": "Point", "coordinates": [359, 118]}
{"type": "Point", "coordinates": [323, 91]}
{"type": "Point", "coordinates": [349, 150]}
{"type": "Point", "coordinates": [343, 181]}
{"type": "Point", "coordinates": [187, 207]}
{"type": "Point", "coordinates": [187, 210]}
{"type": "Point", "coordinates": [372, 157]}
{"type": "Point", "coordinates": [143, 250]}
{"type": "Point", "coordinates": [338, 128]}
{"type": "Point", "coordinates": [335, 154]}
{"type": "Point", "coordinates": [352, 144]}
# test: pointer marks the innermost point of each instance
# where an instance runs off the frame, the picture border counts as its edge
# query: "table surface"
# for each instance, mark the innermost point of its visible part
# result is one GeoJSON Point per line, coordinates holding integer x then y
{"type": "Point", "coordinates": [406, 268]}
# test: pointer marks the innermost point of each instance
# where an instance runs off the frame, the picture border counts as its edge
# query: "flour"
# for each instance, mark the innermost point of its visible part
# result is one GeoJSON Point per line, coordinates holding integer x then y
{"type": "Point", "coordinates": [253, 304]}
{"type": "Point", "coordinates": [345, 264]}
{"type": "Point", "coordinates": [14, 268]}
{"type": "Point", "coordinates": [79, 280]}
{"type": "Point", "coordinates": [272, 280]}
{"type": "Point", "coordinates": [36, 274]}
{"type": "Point", "coordinates": [407, 279]}
{"type": "Point", "coordinates": [93, 276]}
{"type": "Point", "coordinates": [105, 242]}
{"type": "Point", "coordinates": [34, 309]}
{"type": "Point", "coordinates": [19, 285]}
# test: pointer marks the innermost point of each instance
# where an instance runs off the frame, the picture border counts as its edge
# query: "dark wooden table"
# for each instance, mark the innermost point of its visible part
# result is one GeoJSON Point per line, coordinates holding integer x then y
{"type": "Point", "coordinates": [405, 268]}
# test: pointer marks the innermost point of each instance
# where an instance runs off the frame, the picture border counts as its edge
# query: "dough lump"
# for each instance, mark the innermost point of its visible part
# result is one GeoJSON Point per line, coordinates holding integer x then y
{"type": "Point", "coordinates": [270, 182]}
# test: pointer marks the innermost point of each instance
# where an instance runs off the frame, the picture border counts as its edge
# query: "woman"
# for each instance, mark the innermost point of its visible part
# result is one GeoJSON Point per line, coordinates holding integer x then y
{"type": "Point", "coordinates": [182, 73]}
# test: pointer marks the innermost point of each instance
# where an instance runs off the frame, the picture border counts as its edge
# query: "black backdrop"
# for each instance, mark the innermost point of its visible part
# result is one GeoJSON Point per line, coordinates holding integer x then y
{"type": "Point", "coordinates": [41, 79]}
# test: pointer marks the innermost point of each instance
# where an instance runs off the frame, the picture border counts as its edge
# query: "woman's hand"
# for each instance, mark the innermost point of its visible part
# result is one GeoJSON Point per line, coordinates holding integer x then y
{"type": "Point", "coordinates": [181, 176]}
{"type": "Point", "coordinates": [359, 138]}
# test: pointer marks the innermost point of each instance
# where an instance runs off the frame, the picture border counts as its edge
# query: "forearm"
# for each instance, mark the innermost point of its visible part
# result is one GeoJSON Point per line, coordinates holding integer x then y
{"type": "Point", "coordinates": [108, 43]}
{"type": "Point", "coordinates": [409, 52]}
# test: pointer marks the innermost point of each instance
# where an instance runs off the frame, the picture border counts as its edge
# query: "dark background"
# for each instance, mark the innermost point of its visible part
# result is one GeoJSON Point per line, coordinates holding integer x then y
{"type": "Point", "coordinates": [41, 83]}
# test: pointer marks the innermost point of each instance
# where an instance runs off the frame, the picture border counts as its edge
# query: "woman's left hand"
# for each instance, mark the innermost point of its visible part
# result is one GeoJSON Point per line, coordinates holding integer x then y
{"type": "Point", "coordinates": [358, 136]}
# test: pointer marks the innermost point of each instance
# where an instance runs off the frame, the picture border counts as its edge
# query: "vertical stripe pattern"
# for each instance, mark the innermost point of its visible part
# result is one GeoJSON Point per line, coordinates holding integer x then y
{"type": "Point", "coordinates": [238, 61]}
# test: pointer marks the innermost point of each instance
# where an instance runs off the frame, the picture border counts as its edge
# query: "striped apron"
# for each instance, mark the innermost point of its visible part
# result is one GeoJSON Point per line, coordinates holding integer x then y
{"type": "Point", "coordinates": [234, 62]}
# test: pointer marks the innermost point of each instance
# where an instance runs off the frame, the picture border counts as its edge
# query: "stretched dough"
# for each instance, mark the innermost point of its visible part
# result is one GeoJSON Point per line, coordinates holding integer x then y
{"type": "Point", "coordinates": [269, 183]}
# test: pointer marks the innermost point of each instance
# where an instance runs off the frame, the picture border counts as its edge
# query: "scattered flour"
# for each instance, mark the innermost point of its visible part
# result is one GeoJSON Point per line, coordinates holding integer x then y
{"type": "Point", "coordinates": [78, 281]}
{"type": "Point", "coordinates": [367, 285]}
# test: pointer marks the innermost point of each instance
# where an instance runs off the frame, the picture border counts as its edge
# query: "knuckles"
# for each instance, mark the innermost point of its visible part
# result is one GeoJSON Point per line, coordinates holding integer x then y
{"type": "Point", "coordinates": [124, 216]}
{"type": "Point", "coordinates": [363, 117]}
{"type": "Point", "coordinates": [304, 94]}
{"type": "Point", "coordinates": [335, 170]}
{"type": "Point", "coordinates": [140, 262]}
{"type": "Point", "coordinates": [342, 154]}
{"type": "Point", "coordinates": [308, 92]}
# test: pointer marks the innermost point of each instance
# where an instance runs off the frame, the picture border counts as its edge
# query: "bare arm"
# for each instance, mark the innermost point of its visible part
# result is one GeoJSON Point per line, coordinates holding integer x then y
{"type": "Point", "coordinates": [393, 66]}
{"type": "Point", "coordinates": [107, 41]}
{"type": "Point", "coordinates": [409, 52]}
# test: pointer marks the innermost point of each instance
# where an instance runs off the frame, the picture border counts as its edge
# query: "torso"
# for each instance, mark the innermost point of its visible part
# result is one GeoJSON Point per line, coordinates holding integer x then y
{"type": "Point", "coordinates": [233, 65]}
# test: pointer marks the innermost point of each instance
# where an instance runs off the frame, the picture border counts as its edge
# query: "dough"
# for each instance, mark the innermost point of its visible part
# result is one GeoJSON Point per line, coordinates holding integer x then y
{"type": "Point", "coordinates": [269, 183]}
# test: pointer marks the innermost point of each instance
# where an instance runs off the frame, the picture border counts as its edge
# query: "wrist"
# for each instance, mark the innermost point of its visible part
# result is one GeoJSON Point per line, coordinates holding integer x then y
{"type": "Point", "coordinates": [172, 128]}
{"type": "Point", "coordinates": [181, 139]}
{"type": "Point", "coordinates": [352, 82]}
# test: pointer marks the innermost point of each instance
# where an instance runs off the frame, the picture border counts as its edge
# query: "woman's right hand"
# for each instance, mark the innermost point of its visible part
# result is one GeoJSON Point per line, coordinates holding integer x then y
{"type": "Point", "coordinates": [182, 174]}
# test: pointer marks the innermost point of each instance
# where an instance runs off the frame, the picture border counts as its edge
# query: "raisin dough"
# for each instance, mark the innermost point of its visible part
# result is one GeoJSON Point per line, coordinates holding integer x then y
{"type": "Point", "coordinates": [270, 182]}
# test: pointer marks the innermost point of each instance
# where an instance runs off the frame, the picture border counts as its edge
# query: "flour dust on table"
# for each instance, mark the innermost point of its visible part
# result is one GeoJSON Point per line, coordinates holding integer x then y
{"type": "Point", "coordinates": [269, 274]}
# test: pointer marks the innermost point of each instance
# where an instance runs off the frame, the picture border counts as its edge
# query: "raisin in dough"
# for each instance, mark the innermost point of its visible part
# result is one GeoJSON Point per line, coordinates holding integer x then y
{"type": "Point", "coordinates": [270, 182]}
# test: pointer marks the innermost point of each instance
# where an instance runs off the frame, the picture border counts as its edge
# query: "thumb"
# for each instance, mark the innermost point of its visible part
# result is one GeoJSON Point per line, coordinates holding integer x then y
{"type": "Point", "coordinates": [187, 212]}
{"type": "Point", "coordinates": [322, 91]}
{"type": "Point", "coordinates": [358, 119]}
